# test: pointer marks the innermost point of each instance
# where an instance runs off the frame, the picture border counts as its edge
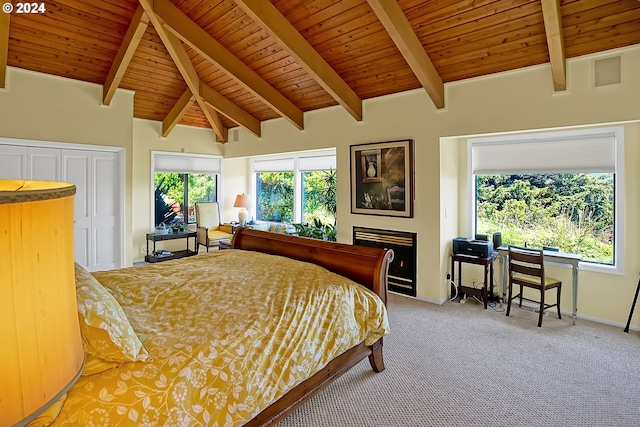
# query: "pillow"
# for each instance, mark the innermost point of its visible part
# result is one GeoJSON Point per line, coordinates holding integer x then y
{"type": "Point", "coordinates": [94, 365]}
{"type": "Point", "coordinates": [105, 328]}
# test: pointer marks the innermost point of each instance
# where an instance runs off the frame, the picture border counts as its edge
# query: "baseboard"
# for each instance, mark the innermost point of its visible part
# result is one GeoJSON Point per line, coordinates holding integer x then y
{"type": "Point", "coordinates": [532, 306]}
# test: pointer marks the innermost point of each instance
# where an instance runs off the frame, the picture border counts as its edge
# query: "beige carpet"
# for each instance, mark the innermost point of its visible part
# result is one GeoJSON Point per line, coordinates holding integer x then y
{"type": "Point", "coordinates": [461, 365]}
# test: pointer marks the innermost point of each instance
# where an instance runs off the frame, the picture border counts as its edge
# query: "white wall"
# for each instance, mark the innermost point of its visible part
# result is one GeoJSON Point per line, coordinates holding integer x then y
{"type": "Point", "coordinates": [515, 101]}
{"type": "Point", "coordinates": [37, 106]}
{"type": "Point", "coordinates": [147, 137]}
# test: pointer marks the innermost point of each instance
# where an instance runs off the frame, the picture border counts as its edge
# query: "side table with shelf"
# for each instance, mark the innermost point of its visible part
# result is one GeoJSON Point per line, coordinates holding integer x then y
{"type": "Point", "coordinates": [157, 256]}
{"type": "Point", "coordinates": [487, 262]}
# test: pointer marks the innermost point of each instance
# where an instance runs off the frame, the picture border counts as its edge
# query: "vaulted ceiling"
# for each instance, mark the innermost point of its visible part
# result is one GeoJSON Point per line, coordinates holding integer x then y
{"type": "Point", "coordinates": [228, 63]}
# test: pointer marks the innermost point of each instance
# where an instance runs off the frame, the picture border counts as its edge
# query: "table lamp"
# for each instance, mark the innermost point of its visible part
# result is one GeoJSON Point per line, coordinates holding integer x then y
{"type": "Point", "coordinates": [243, 201]}
{"type": "Point", "coordinates": [41, 354]}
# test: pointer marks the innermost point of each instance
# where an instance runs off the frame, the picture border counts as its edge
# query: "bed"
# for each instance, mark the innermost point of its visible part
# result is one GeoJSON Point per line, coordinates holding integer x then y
{"type": "Point", "coordinates": [231, 337]}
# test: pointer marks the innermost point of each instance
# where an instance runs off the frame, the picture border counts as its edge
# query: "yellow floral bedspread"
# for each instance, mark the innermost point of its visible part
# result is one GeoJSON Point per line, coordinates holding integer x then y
{"type": "Point", "coordinates": [229, 332]}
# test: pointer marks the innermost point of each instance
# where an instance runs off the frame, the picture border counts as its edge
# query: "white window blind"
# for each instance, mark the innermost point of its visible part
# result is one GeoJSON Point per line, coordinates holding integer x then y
{"type": "Point", "coordinates": [593, 152]}
{"type": "Point", "coordinates": [273, 165]}
{"type": "Point", "coordinates": [186, 163]}
{"type": "Point", "coordinates": [317, 163]}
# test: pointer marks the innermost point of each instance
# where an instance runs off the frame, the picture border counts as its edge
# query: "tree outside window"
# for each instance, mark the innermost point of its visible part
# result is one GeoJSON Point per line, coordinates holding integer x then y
{"type": "Point", "coordinates": [176, 195]}
{"type": "Point", "coordinates": [571, 212]}
{"type": "Point", "coordinates": [319, 197]}
{"type": "Point", "coordinates": [274, 196]}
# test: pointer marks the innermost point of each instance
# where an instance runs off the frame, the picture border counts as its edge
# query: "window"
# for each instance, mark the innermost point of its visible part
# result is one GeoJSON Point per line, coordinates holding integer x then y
{"type": "Point", "coordinates": [179, 182]}
{"type": "Point", "coordinates": [274, 196]}
{"type": "Point", "coordinates": [319, 196]}
{"type": "Point", "coordinates": [295, 187]}
{"type": "Point", "coordinates": [558, 190]}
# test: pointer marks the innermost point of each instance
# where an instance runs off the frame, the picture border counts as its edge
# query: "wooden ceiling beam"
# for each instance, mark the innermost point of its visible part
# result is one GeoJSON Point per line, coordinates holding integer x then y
{"type": "Point", "coordinates": [209, 48]}
{"type": "Point", "coordinates": [222, 105]}
{"type": "Point", "coordinates": [187, 70]}
{"type": "Point", "coordinates": [397, 25]}
{"type": "Point", "coordinates": [555, 42]}
{"type": "Point", "coordinates": [177, 112]}
{"type": "Point", "coordinates": [4, 47]}
{"type": "Point", "coordinates": [265, 14]}
{"type": "Point", "coordinates": [127, 49]}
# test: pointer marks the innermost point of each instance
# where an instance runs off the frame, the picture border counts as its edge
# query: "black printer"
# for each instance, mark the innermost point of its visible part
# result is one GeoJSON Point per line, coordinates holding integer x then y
{"type": "Point", "coordinates": [472, 247]}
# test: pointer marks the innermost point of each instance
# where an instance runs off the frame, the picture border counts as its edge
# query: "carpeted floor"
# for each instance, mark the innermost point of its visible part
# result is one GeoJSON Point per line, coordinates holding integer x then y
{"type": "Point", "coordinates": [461, 365]}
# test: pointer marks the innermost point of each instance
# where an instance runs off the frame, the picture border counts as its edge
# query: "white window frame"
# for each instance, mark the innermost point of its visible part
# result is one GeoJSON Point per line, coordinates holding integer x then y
{"type": "Point", "coordinates": [296, 162]}
{"type": "Point", "coordinates": [168, 161]}
{"type": "Point", "coordinates": [550, 137]}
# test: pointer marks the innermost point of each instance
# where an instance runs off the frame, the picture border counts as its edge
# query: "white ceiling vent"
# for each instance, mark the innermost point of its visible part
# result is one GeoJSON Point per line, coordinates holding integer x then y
{"type": "Point", "coordinates": [608, 71]}
{"type": "Point", "coordinates": [233, 135]}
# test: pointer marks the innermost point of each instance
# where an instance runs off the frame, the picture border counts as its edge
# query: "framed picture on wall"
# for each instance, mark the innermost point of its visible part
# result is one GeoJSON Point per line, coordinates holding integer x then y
{"type": "Point", "coordinates": [382, 178]}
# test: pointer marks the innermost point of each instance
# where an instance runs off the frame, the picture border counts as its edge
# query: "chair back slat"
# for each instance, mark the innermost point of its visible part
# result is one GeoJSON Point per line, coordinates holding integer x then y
{"type": "Point", "coordinates": [527, 261]}
{"type": "Point", "coordinates": [526, 270]}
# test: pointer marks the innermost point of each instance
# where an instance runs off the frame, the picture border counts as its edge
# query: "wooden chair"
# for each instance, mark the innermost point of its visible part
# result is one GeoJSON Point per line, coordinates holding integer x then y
{"type": "Point", "coordinates": [526, 269]}
{"type": "Point", "coordinates": [209, 228]}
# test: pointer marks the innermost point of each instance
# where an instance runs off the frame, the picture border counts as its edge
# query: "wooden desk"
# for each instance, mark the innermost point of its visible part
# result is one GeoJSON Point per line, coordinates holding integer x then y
{"type": "Point", "coordinates": [552, 258]}
{"type": "Point", "coordinates": [488, 274]}
{"type": "Point", "coordinates": [157, 256]}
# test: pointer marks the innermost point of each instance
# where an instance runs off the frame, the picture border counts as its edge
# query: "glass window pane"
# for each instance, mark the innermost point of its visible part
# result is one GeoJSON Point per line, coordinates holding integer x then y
{"type": "Point", "coordinates": [571, 212]}
{"type": "Point", "coordinates": [169, 197]}
{"type": "Point", "coordinates": [274, 196]}
{"type": "Point", "coordinates": [319, 197]}
{"type": "Point", "coordinates": [202, 188]}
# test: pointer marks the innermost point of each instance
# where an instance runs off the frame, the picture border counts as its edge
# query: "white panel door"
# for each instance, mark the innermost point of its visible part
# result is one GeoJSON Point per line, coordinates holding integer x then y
{"type": "Point", "coordinates": [44, 164]}
{"type": "Point", "coordinates": [98, 202]}
{"type": "Point", "coordinates": [105, 196]}
{"type": "Point", "coordinates": [13, 162]}
{"type": "Point", "coordinates": [75, 167]}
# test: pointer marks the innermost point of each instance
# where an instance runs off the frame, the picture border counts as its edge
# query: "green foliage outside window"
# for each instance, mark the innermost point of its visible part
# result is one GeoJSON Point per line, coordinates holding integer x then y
{"type": "Point", "coordinates": [571, 212]}
{"type": "Point", "coordinates": [176, 191]}
{"type": "Point", "coordinates": [275, 196]}
{"type": "Point", "coordinates": [320, 205]}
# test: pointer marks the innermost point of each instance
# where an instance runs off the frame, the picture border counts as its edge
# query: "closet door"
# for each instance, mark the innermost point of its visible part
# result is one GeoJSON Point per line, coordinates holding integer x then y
{"type": "Point", "coordinates": [95, 175]}
{"type": "Point", "coordinates": [13, 162]}
{"type": "Point", "coordinates": [104, 221]}
{"type": "Point", "coordinates": [44, 164]}
{"type": "Point", "coordinates": [98, 201]}
{"type": "Point", "coordinates": [35, 163]}
{"type": "Point", "coordinates": [75, 166]}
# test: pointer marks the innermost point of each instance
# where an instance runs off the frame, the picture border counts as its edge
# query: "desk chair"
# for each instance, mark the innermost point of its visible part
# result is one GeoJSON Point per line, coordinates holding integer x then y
{"type": "Point", "coordinates": [209, 229]}
{"type": "Point", "coordinates": [526, 269]}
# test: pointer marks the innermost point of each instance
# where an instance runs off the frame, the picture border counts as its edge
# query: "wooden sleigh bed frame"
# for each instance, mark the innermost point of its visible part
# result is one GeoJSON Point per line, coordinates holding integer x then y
{"type": "Point", "coordinates": [364, 265]}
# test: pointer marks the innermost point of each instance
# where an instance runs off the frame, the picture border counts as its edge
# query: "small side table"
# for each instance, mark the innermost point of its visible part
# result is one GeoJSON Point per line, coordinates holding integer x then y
{"type": "Point", "coordinates": [157, 256]}
{"type": "Point", "coordinates": [488, 274]}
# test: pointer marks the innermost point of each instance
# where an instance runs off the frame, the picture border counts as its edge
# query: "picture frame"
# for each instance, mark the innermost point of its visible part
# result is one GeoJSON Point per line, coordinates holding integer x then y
{"type": "Point", "coordinates": [382, 178]}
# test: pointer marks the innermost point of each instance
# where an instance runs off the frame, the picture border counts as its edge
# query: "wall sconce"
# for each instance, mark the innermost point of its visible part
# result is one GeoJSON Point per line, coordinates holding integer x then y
{"type": "Point", "coordinates": [41, 354]}
{"type": "Point", "coordinates": [243, 201]}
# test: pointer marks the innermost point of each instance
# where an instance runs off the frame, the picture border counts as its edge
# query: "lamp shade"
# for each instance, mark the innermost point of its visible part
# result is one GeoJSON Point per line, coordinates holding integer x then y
{"type": "Point", "coordinates": [242, 201]}
{"type": "Point", "coordinates": [41, 354]}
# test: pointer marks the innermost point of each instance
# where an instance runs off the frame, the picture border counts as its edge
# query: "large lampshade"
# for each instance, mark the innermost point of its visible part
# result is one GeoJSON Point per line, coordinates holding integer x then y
{"type": "Point", "coordinates": [243, 201]}
{"type": "Point", "coordinates": [41, 354]}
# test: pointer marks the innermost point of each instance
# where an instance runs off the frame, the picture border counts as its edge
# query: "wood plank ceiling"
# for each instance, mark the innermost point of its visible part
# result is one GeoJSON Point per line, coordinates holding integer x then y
{"type": "Point", "coordinates": [228, 63]}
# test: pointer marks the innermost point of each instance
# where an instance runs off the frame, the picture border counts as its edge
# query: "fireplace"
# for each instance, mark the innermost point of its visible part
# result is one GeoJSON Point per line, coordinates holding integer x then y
{"type": "Point", "coordinates": [402, 271]}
